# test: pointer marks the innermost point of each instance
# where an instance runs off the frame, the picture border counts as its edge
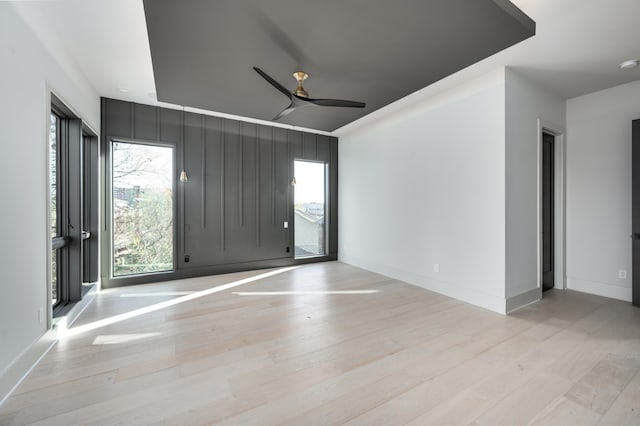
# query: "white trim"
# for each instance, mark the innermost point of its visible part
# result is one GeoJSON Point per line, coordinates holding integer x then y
{"type": "Point", "coordinates": [47, 191]}
{"type": "Point", "coordinates": [462, 293]}
{"type": "Point", "coordinates": [521, 300]}
{"type": "Point", "coordinates": [29, 359]}
{"type": "Point", "coordinates": [559, 172]}
{"type": "Point", "coordinates": [560, 251]}
{"type": "Point", "coordinates": [26, 362]}
{"type": "Point", "coordinates": [611, 291]}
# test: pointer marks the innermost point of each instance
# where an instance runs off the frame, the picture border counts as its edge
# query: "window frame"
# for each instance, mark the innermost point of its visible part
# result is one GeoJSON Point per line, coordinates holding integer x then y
{"type": "Point", "coordinates": [108, 260]}
{"type": "Point", "coordinates": [71, 135]}
{"type": "Point", "coordinates": [327, 200]}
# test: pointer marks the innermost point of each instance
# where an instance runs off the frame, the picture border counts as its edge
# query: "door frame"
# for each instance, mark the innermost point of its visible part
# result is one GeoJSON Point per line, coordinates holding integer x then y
{"type": "Point", "coordinates": [327, 201]}
{"type": "Point", "coordinates": [559, 214]}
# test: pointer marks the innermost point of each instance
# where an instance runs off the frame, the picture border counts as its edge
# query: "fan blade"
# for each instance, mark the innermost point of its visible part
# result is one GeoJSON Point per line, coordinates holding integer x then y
{"type": "Point", "coordinates": [288, 110]}
{"type": "Point", "coordinates": [336, 103]}
{"type": "Point", "coordinates": [274, 83]}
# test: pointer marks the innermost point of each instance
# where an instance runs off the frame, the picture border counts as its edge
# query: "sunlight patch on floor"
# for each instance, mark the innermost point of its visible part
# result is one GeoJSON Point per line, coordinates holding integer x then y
{"type": "Point", "coordinates": [302, 293]}
{"type": "Point", "coordinates": [114, 339]}
{"type": "Point", "coordinates": [158, 294]}
{"type": "Point", "coordinates": [64, 332]}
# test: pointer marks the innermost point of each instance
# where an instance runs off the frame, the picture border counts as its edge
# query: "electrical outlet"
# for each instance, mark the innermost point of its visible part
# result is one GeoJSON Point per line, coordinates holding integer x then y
{"type": "Point", "coordinates": [286, 225]}
{"type": "Point", "coordinates": [40, 316]}
{"type": "Point", "coordinates": [622, 274]}
{"type": "Point", "coordinates": [436, 267]}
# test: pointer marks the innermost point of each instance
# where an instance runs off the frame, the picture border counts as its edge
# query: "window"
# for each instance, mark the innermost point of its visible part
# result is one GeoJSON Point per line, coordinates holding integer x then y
{"type": "Point", "coordinates": [309, 214]}
{"type": "Point", "coordinates": [142, 208]}
{"type": "Point", "coordinates": [67, 210]}
{"type": "Point", "coordinates": [54, 149]}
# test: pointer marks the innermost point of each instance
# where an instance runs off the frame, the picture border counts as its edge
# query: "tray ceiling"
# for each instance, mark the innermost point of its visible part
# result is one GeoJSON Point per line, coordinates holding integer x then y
{"type": "Point", "coordinates": [374, 51]}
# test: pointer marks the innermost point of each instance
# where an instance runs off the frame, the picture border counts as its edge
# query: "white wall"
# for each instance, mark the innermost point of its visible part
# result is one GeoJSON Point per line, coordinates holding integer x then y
{"type": "Point", "coordinates": [27, 71]}
{"type": "Point", "coordinates": [426, 186]}
{"type": "Point", "coordinates": [599, 190]}
{"type": "Point", "coordinates": [526, 103]}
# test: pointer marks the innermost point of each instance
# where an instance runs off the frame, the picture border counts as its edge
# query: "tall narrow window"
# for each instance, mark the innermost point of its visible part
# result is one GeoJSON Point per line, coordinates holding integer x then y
{"type": "Point", "coordinates": [53, 202]}
{"type": "Point", "coordinates": [142, 208]}
{"type": "Point", "coordinates": [310, 196]}
{"type": "Point", "coordinates": [66, 207]}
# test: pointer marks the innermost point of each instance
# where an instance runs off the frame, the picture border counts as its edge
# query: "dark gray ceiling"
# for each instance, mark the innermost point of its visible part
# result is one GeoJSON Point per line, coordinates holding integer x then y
{"type": "Point", "coordinates": [374, 51]}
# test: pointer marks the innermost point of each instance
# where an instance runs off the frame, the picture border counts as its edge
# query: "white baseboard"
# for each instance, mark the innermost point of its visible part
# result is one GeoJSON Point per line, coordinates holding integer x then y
{"type": "Point", "coordinates": [523, 299]}
{"type": "Point", "coordinates": [22, 366]}
{"type": "Point", "coordinates": [17, 372]}
{"type": "Point", "coordinates": [600, 289]}
{"type": "Point", "coordinates": [459, 292]}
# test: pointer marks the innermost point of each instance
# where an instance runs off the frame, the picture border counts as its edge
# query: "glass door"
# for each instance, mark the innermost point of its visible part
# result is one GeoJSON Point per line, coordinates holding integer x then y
{"type": "Point", "coordinates": [310, 195]}
{"type": "Point", "coordinates": [54, 195]}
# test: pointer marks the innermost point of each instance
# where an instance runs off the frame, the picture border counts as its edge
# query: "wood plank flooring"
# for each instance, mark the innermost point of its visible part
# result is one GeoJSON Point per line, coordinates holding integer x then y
{"type": "Point", "coordinates": [329, 344]}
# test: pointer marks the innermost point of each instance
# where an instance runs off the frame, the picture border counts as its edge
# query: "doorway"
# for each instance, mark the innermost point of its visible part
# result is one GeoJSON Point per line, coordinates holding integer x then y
{"type": "Point", "coordinates": [548, 211]}
{"type": "Point", "coordinates": [310, 195]}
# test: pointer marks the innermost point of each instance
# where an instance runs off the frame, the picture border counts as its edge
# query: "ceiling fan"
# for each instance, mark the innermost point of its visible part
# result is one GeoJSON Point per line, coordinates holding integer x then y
{"type": "Point", "coordinates": [299, 97]}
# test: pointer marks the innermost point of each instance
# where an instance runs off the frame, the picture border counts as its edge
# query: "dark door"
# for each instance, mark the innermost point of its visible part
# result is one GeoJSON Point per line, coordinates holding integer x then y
{"type": "Point", "coordinates": [635, 199]}
{"type": "Point", "coordinates": [547, 211]}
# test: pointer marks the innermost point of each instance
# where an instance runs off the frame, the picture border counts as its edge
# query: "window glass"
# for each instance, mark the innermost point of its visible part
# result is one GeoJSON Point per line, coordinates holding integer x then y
{"type": "Point", "coordinates": [142, 202]}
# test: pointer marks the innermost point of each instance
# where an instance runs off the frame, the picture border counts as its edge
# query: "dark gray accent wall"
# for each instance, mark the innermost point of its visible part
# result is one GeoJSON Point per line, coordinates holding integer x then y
{"type": "Point", "coordinates": [230, 214]}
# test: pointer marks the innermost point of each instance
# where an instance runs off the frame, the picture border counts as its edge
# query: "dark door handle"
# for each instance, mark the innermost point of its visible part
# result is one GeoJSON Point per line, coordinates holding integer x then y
{"type": "Point", "coordinates": [635, 236]}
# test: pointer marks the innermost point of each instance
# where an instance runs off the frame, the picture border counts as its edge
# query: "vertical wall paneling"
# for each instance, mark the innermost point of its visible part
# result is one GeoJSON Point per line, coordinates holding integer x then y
{"type": "Point", "coordinates": [191, 189]}
{"type": "Point", "coordinates": [232, 188]}
{"type": "Point", "coordinates": [248, 189]}
{"type": "Point", "coordinates": [203, 173]}
{"type": "Point", "coordinates": [241, 178]}
{"type": "Point", "coordinates": [309, 146]}
{"type": "Point", "coordinates": [182, 221]}
{"type": "Point", "coordinates": [295, 142]}
{"type": "Point", "coordinates": [258, 186]}
{"type": "Point", "coordinates": [323, 148]}
{"type": "Point", "coordinates": [158, 130]}
{"type": "Point", "coordinates": [145, 122]}
{"type": "Point", "coordinates": [332, 220]}
{"type": "Point", "coordinates": [231, 212]}
{"type": "Point", "coordinates": [170, 125]}
{"type": "Point", "coordinates": [222, 186]}
{"type": "Point", "coordinates": [282, 186]}
{"type": "Point", "coordinates": [132, 120]}
{"type": "Point", "coordinates": [213, 233]}
{"type": "Point", "coordinates": [273, 176]}
{"type": "Point", "coordinates": [117, 118]}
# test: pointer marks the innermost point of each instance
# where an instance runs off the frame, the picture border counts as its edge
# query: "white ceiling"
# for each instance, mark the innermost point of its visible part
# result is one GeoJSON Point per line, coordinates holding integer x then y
{"type": "Point", "coordinates": [576, 50]}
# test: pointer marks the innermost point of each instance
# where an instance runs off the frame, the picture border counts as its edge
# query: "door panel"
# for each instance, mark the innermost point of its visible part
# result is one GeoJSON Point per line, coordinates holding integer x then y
{"type": "Point", "coordinates": [635, 199]}
{"type": "Point", "coordinates": [547, 211]}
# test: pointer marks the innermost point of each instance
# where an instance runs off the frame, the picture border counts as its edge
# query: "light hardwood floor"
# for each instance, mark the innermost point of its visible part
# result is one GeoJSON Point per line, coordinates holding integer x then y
{"type": "Point", "coordinates": [332, 344]}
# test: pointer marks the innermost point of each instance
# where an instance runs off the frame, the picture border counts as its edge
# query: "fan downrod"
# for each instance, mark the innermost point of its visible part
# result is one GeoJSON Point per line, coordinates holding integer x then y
{"type": "Point", "coordinates": [300, 76]}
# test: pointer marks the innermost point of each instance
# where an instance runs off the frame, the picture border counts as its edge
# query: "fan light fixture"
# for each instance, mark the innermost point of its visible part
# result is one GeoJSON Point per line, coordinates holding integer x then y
{"type": "Point", "coordinates": [300, 97]}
